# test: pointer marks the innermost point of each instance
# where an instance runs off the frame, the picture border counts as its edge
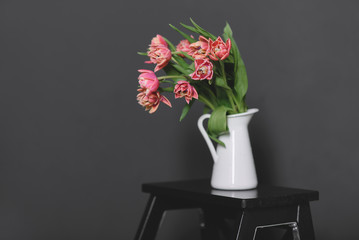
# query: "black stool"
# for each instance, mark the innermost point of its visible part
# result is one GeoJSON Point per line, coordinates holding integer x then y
{"type": "Point", "coordinates": [234, 215]}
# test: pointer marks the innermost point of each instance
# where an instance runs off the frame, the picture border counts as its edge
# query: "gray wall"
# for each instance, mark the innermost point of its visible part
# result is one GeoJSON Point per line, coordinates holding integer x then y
{"type": "Point", "coordinates": [75, 146]}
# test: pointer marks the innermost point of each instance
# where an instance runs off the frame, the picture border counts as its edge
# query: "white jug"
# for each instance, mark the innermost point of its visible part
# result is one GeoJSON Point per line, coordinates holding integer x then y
{"type": "Point", "coordinates": [233, 167]}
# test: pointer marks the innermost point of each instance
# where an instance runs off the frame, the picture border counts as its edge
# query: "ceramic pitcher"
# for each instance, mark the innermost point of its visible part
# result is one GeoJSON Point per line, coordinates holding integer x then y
{"type": "Point", "coordinates": [233, 167]}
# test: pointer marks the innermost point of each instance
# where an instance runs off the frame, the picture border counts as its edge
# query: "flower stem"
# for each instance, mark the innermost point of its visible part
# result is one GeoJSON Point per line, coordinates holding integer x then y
{"type": "Point", "coordinates": [172, 58]}
{"type": "Point", "coordinates": [170, 76]}
{"type": "Point", "coordinates": [184, 54]}
{"type": "Point", "coordinates": [168, 89]}
{"type": "Point", "coordinates": [206, 101]}
{"type": "Point", "coordinates": [236, 101]}
{"type": "Point", "coordinates": [210, 92]}
{"type": "Point", "coordinates": [229, 92]}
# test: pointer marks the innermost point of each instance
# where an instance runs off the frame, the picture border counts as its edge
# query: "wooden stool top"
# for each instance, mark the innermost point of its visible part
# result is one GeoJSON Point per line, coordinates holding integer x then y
{"type": "Point", "coordinates": [200, 191]}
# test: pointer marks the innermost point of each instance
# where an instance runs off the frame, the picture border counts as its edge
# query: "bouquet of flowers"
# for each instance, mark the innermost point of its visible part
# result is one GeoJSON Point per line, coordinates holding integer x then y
{"type": "Point", "coordinates": [209, 70]}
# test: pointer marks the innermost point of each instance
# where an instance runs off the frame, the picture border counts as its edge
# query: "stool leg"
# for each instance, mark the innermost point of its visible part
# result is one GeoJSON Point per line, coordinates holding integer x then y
{"type": "Point", "coordinates": [305, 224]}
{"type": "Point", "coordinates": [151, 219]}
{"type": "Point", "coordinates": [295, 231]}
{"type": "Point", "coordinates": [297, 217]}
{"type": "Point", "coordinates": [246, 227]}
{"type": "Point", "coordinates": [289, 235]}
{"type": "Point", "coordinates": [252, 220]}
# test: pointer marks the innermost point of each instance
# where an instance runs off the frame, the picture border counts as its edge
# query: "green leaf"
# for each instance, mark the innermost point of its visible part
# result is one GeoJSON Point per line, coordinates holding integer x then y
{"type": "Point", "coordinates": [177, 58]}
{"type": "Point", "coordinates": [191, 40]}
{"type": "Point", "coordinates": [170, 45]}
{"type": "Point", "coordinates": [180, 61]}
{"type": "Point", "coordinates": [227, 32]}
{"type": "Point", "coordinates": [183, 53]}
{"type": "Point", "coordinates": [241, 80]}
{"type": "Point", "coordinates": [222, 97]}
{"type": "Point", "coordinates": [192, 29]}
{"type": "Point", "coordinates": [199, 31]}
{"type": "Point", "coordinates": [191, 67]}
{"type": "Point", "coordinates": [186, 109]}
{"type": "Point", "coordinates": [217, 140]}
{"type": "Point", "coordinates": [188, 56]}
{"type": "Point", "coordinates": [229, 59]}
{"type": "Point", "coordinates": [220, 82]}
{"type": "Point", "coordinates": [204, 90]}
{"type": "Point", "coordinates": [240, 76]}
{"type": "Point", "coordinates": [217, 123]}
{"type": "Point", "coordinates": [171, 71]}
{"type": "Point", "coordinates": [202, 31]}
{"type": "Point", "coordinates": [142, 53]}
{"type": "Point", "coordinates": [168, 89]}
{"type": "Point", "coordinates": [184, 71]}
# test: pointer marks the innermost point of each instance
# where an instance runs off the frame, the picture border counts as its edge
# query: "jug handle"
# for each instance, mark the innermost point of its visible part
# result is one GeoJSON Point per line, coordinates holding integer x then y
{"type": "Point", "coordinates": [206, 137]}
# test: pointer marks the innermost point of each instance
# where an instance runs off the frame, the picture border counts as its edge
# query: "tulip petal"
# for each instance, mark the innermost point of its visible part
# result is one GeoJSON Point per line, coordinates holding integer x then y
{"type": "Point", "coordinates": [153, 109]}
{"type": "Point", "coordinates": [165, 101]}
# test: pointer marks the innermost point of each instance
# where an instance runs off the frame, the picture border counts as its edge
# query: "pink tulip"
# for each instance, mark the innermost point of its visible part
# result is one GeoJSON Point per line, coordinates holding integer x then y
{"type": "Point", "coordinates": [186, 90]}
{"type": "Point", "coordinates": [152, 100]}
{"type": "Point", "coordinates": [148, 80]}
{"type": "Point", "coordinates": [219, 49]}
{"type": "Point", "coordinates": [160, 55]}
{"type": "Point", "coordinates": [183, 46]}
{"type": "Point", "coordinates": [158, 41]}
{"type": "Point", "coordinates": [199, 49]}
{"type": "Point", "coordinates": [204, 70]}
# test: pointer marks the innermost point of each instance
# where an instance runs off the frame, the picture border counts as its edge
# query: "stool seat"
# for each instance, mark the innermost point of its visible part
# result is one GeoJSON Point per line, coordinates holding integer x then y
{"type": "Point", "coordinates": [247, 210]}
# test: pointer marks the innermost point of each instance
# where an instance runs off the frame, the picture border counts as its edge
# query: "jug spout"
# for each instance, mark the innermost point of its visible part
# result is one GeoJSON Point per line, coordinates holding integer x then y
{"type": "Point", "coordinates": [206, 137]}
